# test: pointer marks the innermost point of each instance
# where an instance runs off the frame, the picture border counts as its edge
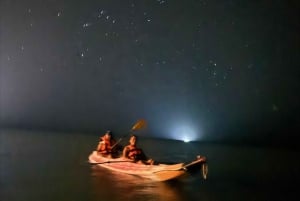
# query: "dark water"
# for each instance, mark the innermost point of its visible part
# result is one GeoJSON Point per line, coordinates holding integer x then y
{"type": "Point", "coordinates": [53, 166]}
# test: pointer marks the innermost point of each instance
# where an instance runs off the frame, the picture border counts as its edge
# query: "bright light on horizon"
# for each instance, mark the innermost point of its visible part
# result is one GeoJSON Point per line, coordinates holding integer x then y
{"type": "Point", "coordinates": [186, 140]}
{"type": "Point", "coordinates": [185, 133]}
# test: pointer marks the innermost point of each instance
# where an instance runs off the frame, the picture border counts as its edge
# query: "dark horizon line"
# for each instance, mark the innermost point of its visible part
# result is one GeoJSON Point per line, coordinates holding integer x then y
{"type": "Point", "coordinates": [233, 141]}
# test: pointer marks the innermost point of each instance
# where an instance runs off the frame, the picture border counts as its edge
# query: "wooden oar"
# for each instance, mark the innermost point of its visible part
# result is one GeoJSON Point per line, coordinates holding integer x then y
{"type": "Point", "coordinates": [140, 124]}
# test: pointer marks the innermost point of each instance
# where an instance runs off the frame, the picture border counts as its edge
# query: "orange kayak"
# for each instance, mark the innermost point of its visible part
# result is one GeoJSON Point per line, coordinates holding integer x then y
{"type": "Point", "coordinates": [156, 172]}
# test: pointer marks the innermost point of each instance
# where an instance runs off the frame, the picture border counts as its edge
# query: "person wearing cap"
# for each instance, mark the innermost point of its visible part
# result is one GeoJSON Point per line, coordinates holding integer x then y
{"type": "Point", "coordinates": [106, 143]}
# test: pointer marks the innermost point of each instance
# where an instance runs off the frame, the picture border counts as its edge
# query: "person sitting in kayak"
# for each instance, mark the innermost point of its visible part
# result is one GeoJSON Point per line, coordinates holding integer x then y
{"type": "Point", "coordinates": [107, 145]}
{"type": "Point", "coordinates": [136, 154]}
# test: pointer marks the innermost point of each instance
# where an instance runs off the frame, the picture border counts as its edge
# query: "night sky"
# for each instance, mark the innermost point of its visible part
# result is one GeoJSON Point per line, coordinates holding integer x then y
{"type": "Point", "coordinates": [196, 69]}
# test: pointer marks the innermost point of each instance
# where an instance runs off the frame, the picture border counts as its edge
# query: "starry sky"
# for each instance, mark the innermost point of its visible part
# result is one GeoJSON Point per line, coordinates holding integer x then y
{"type": "Point", "coordinates": [197, 69]}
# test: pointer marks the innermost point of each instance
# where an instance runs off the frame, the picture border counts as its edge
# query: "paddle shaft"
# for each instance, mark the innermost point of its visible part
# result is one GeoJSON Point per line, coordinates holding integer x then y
{"type": "Point", "coordinates": [116, 143]}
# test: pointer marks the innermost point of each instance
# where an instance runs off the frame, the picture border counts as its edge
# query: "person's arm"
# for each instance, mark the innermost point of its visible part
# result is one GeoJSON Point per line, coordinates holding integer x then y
{"type": "Point", "coordinates": [125, 152]}
{"type": "Point", "coordinates": [102, 147]}
{"type": "Point", "coordinates": [98, 146]}
{"type": "Point", "coordinates": [146, 159]}
{"type": "Point", "coordinates": [141, 155]}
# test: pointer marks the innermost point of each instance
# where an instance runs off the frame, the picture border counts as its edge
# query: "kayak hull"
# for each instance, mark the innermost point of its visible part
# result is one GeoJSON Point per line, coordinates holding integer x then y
{"type": "Point", "coordinates": [156, 172]}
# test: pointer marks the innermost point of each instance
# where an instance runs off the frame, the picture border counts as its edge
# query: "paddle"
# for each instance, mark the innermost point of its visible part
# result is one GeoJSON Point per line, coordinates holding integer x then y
{"type": "Point", "coordinates": [140, 124]}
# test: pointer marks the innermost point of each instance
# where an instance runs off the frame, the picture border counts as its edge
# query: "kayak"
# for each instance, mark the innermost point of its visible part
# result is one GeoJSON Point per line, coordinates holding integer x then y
{"type": "Point", "coordinates": [156, 172]}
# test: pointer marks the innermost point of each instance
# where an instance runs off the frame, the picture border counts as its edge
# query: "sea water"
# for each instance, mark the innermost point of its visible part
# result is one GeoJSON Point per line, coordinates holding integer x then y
{"type": "Point", "coordinates": [42, 166]}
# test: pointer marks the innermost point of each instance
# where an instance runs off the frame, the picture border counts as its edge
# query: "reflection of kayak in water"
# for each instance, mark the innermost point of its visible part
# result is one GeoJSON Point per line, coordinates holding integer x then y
{"type": "Point", "coordinates": [156, 172]}
{"type": "Point", "coordinates": [105, 184]}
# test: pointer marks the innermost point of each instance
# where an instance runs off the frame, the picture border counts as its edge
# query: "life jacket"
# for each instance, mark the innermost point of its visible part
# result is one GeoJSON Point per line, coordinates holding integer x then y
{"type": "Point", "coordinates": [105, 146]}
{"type": "Point", "coordinates": [134, 153]}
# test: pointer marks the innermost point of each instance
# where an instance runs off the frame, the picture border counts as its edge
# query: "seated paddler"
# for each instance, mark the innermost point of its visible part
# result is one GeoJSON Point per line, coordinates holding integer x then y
{"type": "Point", "coordinates": [134, 153]}
{"type": "Point", "coordinates": [107, 146]}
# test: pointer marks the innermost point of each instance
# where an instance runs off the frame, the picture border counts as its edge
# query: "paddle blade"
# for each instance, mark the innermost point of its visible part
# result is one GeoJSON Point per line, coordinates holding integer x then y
{"type": "Point", "coordinates": [140, 124]}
